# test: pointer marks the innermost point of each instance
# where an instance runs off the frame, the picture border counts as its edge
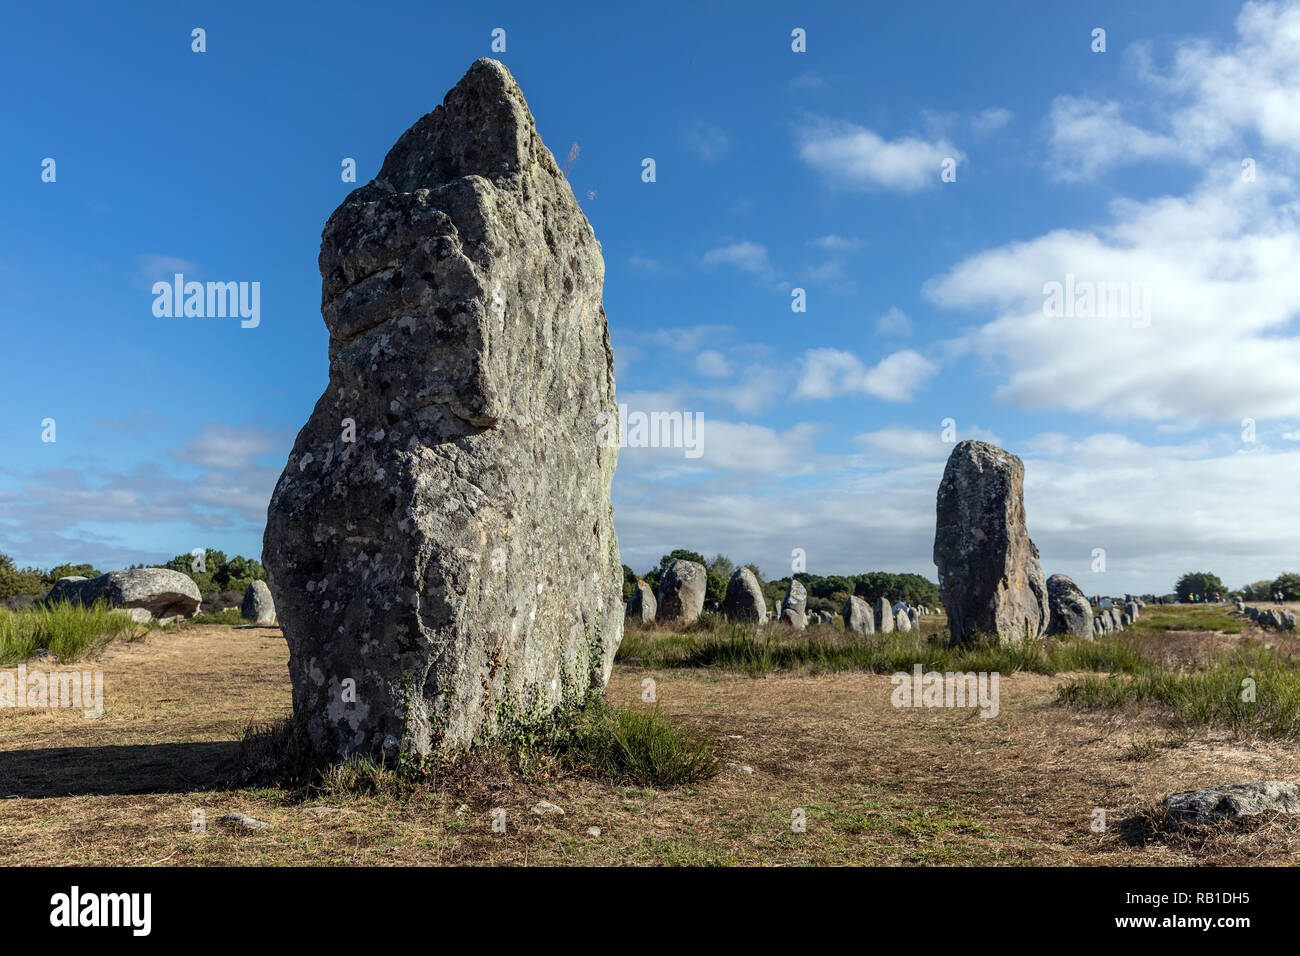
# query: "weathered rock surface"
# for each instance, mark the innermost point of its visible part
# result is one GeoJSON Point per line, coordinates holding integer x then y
{"type": "Point", "coordinates": [642, 606]}
{"type": "Point", "coordinates": [744, 600]}
{"type": "Point", "coordinates": [681, 592]}
{"type": "Point", "coordinates": [989, 574]}
{"type": "Point", "coordinates": [1232, 802]}
{"type": "Point", "coordinates": [1131, 608]}
{"type": "Point", "coordinates": [258, 605]}
{"type": "Point", "coordinates": [166, 595]}
{"type": "Point", "coordinates": [442, 534]}
{"type": "Point", "coordinates": [794, 608]}
{"type": "Point", "coordinates": [884, 616]}
{"type": "Point", "coordinates": [902, 621]}
{"type": "Point", "coordinates": [1071, 614]}
{"type": "Point", "coordinates": [857, 616]}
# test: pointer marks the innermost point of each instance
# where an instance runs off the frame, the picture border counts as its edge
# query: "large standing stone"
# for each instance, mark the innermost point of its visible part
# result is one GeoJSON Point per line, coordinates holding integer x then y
{"type": "Point", "coordinates": [857, 616]}
{"type": "Point", "coordinates": [441, 538]}
{"type": "Point", "coordinates": [902, 620]}
{"type": "Point", "coordinates": [988, 566]}
{"type": "Point", "coordinates": [884, 616]}
{"type": "Point", "coordinates": [1131, 609]}
{"type": "Point", "coordinates": [161, 593]}
{"type": "Point", "coordinates": [744, 600]}
{"type": "Point", "coordinates": [794, 609]}
{"type": "Point", "coordinates": [1071, 614]}
{"type": "Point", "coordinates": [681, 592]}
{"type": "Point", "coordinates": [258, 605]}
{"type": "Point", "coordinates": [642, 605]}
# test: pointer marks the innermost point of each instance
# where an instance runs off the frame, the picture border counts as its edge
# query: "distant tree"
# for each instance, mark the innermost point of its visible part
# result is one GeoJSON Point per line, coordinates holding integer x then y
{"type": "Point", "coordinates": [629, 583]}
{"type": "Point", "coordinates": [1288, 585]}
{"type": "Point", "coordinates": [1201, 583]}
{"type": "Point", "coordinates": [15, 581]}
{"type": "Point", "coordinates": [716, 589]}
{"type": "Point", "coordinates": [721, 564]}
{"type": "Point", "coordinates": [70, 571]}
{"type": "Point", "coordinates": [1257, 591]}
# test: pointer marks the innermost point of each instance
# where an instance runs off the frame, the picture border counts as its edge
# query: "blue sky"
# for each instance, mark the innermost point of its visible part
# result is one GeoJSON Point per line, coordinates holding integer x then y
{"type": "Point", "coordinates": [775, 170]}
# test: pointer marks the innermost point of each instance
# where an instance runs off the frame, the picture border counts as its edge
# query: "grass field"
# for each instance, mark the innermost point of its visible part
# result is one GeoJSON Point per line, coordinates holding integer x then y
{"type": "Point", "coordinates": [794, 727]}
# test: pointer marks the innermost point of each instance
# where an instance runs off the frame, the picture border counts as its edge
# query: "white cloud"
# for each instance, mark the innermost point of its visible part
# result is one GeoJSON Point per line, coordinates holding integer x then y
{"type": "Point", "coordinates": [712, 363]}
{"type": "Point", "coordinates": [1088, 137]}
{"type": "Point", "coordinates": [707, 141]}
{"type": "Point", "coordinates": [894, 322]}
{"type": "Point", "coordinates": [746, 256]}
{"type": "Point", "coordinates": [1224, 290]}
{"type": "Point", "coordinates": [991, 120]}
{"type": "Point", "coordinates": [856, 157]}
{"type": "Point", "coordinates": [828, 373]}
{"type": "Point", "coordinates": [834, 243]}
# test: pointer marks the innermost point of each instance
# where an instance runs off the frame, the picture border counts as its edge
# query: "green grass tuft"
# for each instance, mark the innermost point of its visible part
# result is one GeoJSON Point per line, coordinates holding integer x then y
{"type": "Point", "coordinates": [68, 631]}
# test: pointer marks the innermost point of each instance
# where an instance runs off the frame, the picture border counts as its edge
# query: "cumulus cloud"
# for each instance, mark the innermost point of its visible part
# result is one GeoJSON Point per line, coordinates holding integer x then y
{"type": "Point", "coordinates": [746, 256]}
{"type": "Point", "coordinates": [856, 157]}
{"type": "Point", "coordinates": [1219, 268]}
{"type": "Point", "coordinates": [894, 322]}
{"type": "Point", "coordinates": [828, 373]}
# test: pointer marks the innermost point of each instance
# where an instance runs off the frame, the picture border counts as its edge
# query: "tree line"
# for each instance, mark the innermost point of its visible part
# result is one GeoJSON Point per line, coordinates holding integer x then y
{"type": "Point", "coordinates": [218, 573]}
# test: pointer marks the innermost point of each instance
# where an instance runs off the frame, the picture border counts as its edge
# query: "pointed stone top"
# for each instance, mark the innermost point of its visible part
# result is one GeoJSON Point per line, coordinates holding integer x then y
{"type": "Point", "coordinates": [482, 128]}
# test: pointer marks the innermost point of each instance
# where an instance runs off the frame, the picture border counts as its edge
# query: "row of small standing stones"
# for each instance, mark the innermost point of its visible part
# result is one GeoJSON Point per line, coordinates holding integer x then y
{"type": "Point", "coordinates": [680, 601]}
{"type": "Point", "coordinates": [1278, 617]}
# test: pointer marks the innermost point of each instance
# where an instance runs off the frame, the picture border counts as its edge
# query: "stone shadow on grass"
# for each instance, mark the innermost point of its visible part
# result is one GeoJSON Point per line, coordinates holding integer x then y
{"type": "Point", "coordinates": [139, 768]}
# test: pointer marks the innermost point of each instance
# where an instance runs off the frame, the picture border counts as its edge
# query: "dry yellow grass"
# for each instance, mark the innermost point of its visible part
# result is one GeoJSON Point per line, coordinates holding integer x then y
{"type": "Point", "coordinates": [876, 784]}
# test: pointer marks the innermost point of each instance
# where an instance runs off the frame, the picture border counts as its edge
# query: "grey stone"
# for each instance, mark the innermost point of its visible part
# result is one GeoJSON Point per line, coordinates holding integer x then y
{"type": "Point", "coordinates": [744, 600]}
{"type": "Point", "coordinates": [258, 605]}
{"type": "Point", "coordinates": [546, 808]}
{"type": "Point", "coordinates": [681, 592]}
{"type": "Point", "coordinates": [242, 822]}
{"type": "Point", "coordinates": [902, 621]}
{"type": "Point", "coordinates": [989, 574]}
{"type": "Point", "coordinates": [458, 554]}
{"type": "Point", "coordinates": [796, 597]}
{"type": "Point", "coordinates": [166, 595]}
{"type": "Point", "coordinates": [884, 616]}
{"type": "Point", "coordinates": [1070, 614]}
{"type": "Point", "coordinates": [642, 606]}
{"type": "Point", "coordinates": [1131, 608]}
{"type": "Point", "coordinates": [857, 616]}
{"type": "Point", "coordinates": [1233, 802]}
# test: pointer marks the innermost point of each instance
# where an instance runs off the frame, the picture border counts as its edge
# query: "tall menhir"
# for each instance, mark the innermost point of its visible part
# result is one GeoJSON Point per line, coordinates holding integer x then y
{"type": "Point", "coordinates": [441, 543]}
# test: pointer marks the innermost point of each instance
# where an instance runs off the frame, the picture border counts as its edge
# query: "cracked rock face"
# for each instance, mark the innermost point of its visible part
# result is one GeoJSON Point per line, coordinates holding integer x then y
{"type": "Point", "coordinates": [744, 600]}
{"type": "Point", "coordinates": [988, 567]}
{"type": "Point", "coordinates": [441, 544]}
{"type": "Point", "coordinates": [1071, 614]}
{"type": "Point", "coordinates": [681, 592]}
